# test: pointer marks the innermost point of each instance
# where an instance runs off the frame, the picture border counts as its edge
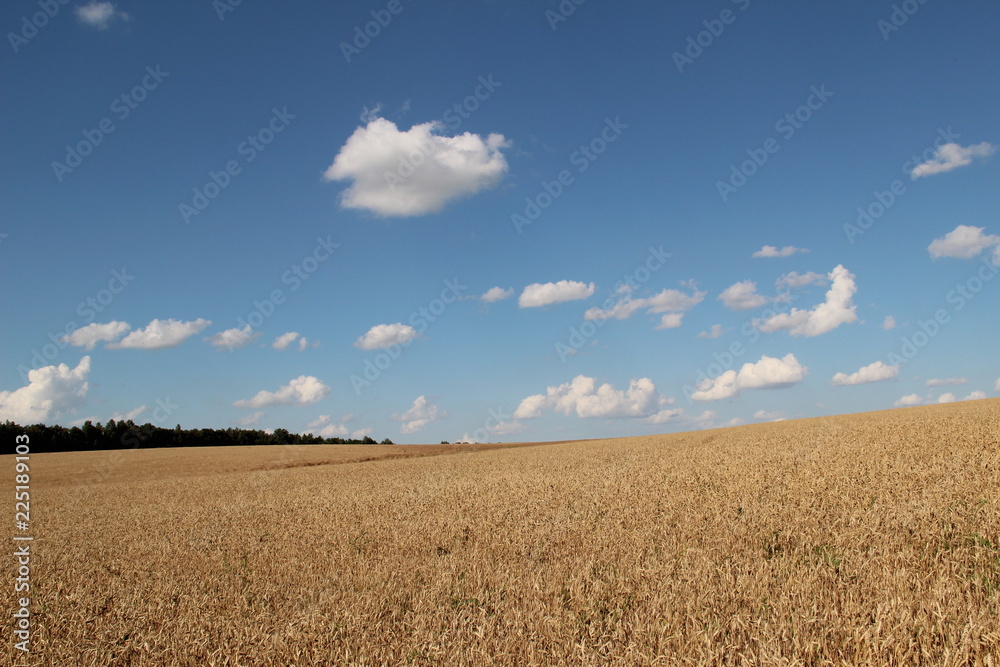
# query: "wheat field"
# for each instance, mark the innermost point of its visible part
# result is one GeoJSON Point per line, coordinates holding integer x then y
{"type": "Point", "coordinates": [870, 539]}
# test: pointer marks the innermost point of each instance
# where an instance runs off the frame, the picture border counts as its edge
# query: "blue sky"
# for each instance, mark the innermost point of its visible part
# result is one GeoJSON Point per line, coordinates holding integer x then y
{"type": "Point", "coordinates": [497, 220]}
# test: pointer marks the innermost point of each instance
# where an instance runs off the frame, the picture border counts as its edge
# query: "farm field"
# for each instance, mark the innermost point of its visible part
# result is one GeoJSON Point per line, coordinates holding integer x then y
{"type": "Point", "coordinates": [867, 539]}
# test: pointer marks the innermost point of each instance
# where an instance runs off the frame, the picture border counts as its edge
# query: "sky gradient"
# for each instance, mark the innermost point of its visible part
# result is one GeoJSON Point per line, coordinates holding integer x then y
{"type": "Point", "coordinates": [497, 221]}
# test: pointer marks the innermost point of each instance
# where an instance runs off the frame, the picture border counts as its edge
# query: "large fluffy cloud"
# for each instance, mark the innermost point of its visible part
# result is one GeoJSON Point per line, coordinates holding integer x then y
{"type": "Point", "coordinates": [395, 173]}
{"type": "Point", "coordinates": [584, 397]}
{"type": "Point", "coordinates": [951, 156]}
{"type": "Point", "coordinates": [160, 334]}
{"type": "Point", "coordinates": [92, 334]}
{"type": "Point", "coordinates": [303, 390]}
{"type": "Point", "coordinates": [767, 373]}
{"type": "Point", "coordinates": [544, 294]}
{"type": "Point", "coordinates": [51, 391]}
{"type": "Point", "coordinates": [963, 242]}
{"type": "Point", "coordinates": [382, 336]}
{"type": "Point", "coordinates": [874, 372]}
{"type": "Point", "coordinates": [421, 413]}
{"type": "Point", "coordinates": [838, 309]}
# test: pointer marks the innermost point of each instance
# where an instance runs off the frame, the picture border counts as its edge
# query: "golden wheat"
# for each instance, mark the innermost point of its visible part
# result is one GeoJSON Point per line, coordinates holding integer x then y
{"type": "Point", "coordinates": [854, 540]}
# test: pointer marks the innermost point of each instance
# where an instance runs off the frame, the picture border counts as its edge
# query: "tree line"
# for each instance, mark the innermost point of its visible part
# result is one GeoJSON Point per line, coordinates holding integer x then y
{"type": "Point", "coordinates": [126, 434]}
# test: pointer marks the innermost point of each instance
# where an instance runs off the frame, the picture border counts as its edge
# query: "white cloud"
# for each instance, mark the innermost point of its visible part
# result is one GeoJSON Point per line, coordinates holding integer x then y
{"type": "Point", "coordinates": [494, 294]}
{"type": "Point", "coordinates": [947, 397]}
{"type": "Point", "coordinates": [666, 416]}
{"type": "Point", "coordinates": [420, 414]}
{"type": "Point", "coordinates": [303, 390]}
{"type": "Point", "coordinates": [131, 414]}
{"type": "Point", "coordinates": [742, 296]}
{"type": "Point", "coordinates": [92, 334]}
{"type": "Point", "coordinates": [160, 334]}
{"type": "Point", "coordinates": [50, 392]}
{"type": "Point", "coordinates": [836, 310]}
{"type": "Point", "coordinates": [767, 373]}
{"type": "Point", "coordinates": [963, 242]}
{"type": "Point", "coordinates": [416, 172]}
{"type": "Point", "coordinates": [714, 332]}
{"type": "Point", "coordinates": [671, 303]}
{"type": "Point", "coordinates": [325, 427]}
{"type": "Point", "coordinates": [771, 251]}
{"type": "Point", "coordinates": [975, 396]}
{"type": "Point", "coordinates": [951, 156]}
{"type": "Point", "coordinates": [304, 343]}
{"type": "Point", "coordinates": [544, 294]}
{"type": "Point", "coordinates": [795, 280]}
{"type": "Point", "coordinates": [889, 323]}
{"type": "Point", "coordinates": [233, 339]}
{"type": "Point", "coordinates": [382, 336]}
{"type": "Point", "coordinates": [908, 401]}
{"type": "Point", "coordinates": [99, 14]}
{"type": "Point", "coordinates": [775, 416]}
{"type": "Point", "coordinates": [874, 372]}
{"type": "Point", "coordinates": [587, 400]}
{"type": "Point", "coordinates": [251, 419]}
{"type": "Point", "coordinates": [283, 341]}
{"type": "Point", "coordinates": [945, 382]}
{"type": "Point", "coordinates": [996, 387]}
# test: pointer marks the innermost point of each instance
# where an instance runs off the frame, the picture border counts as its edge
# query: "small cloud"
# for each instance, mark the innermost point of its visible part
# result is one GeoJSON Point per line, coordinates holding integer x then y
{"type": "Point", "coordinates": [775, 416]}
{"type": "Point", "coordinates": [325, 427]}
{"type": "Point", "coordinates": [250, 420]}
{"type": "Point", "coordinates": [670, 303]}
{"type": "Point", "coordinates": [996, 386]}
{"type": "Point", "coordinates": [233, 339]}
{"type": "Point", "coordinates": [908, 401]}
{"type": "Point", "coordinates": [382, 336]}
{"type": "Point", "coordinates": [889, 323]}
{"type": "Point", "coordinates": [795, 280]}
{"type": "Point", "coordinates": [771, 251]}
{"type": "Point", "coordinates": [283, 341]}
{"type": "Point", "coordinates": [303, 390]}
{"type": "Point", "coordinates": [584, 397]}
{"type": "Point", "coordinates": [742, 296]}
{"type": "Point", "coordinates": [92, 334]}
{"type": "Point", "coordinates": [715, 331]}
{"type": "Point", "coordinates": [951, 156]}
{"type": "Point", "coordinates": [99, 15]}
{"type": "Point", "coordinates": [963, 242]}
{"type": "Point", "coordinates": [544, 294]}
{"type": "Point", "coordinates": [947, 397]}
{"type": "Point", "coordinates": [975, 396]}
{"type": "Point", "coordinates": [945, 382]}
{"type": "Point", "coordinates": [874, 372]}
{"type": "Point", "coordinates": [160, 334]}
{"type": "Point", "coordinates": [495, 294]}
{"type": "Point", "coordinates": [420, 414]}
{"type": "Point", "coordinates": [415, 172]}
